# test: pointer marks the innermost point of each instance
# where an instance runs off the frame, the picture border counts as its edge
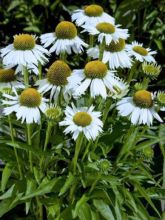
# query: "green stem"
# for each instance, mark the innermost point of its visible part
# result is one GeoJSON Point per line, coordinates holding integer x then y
{"type": "Point", "coordinates": [101, 51]}
{"type": "Point", "coordinates": [91, 40]}
{"type": "Point", "coordinates": [63, 56]}
{"type": "Point", "coordinates": [15, 150]}
{"type": "Point", "coordinates": [39, 70]}
{"type": "Point", "coordinates": [145, 82]}
{"type": "Point", "coordinates": [132, 72]}
{"type": "Point", "coordinates": [48, 132]}
{"type": "Point", "coordinates": [94, 183]}
{"type": "Point", "coordinates": [29, 143]}
{"type": "Point", "coordinates": [77, 150]}
{"type": "Point", "coordinates": [86, 150]}
{"type": "Point", "coordinates": [26, 76]}
{"type": "Point", "coordinates": [40, 211]}
{"type": "Point", "coordinates": [128, 142]}
{"type": "Point", "coordinates": [106, 110]}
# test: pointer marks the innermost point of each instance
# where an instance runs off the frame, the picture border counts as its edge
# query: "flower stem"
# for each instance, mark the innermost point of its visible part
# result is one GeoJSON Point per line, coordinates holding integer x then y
{"type": "Point", "coordinates": [39, 70]}
{"type": "Point", "coordinates": [63, 56]}
{"type": "Point", "coordinates": [132, 72]}
{"type": "Point", "coordinates": [40, 211]}
{"type": "Point", "coordinates": [91, 40]}
{"type": "Point", "coordinates": [15, 150]}
{"type": "Point", "coordinates": [101, 51]}
{"type": "Point", "coordinates": [29, 143]}
{"type": "Point", "coordinates": [86, 150]}
{"type": "Point", "coordinates": [94, 183]}
{"type": "Point", "coordinates": [77, 150]}
{"type": "Point", "coordinates": [26, 76]}
{"type": "Point", "coordinates": [145, 82]}
{"type": "Point", "coordinates": [106, 110]}
{"type": "Point", "coordinates": [129, 141]}
{"type": "Point", "coordinates": [48, 132]}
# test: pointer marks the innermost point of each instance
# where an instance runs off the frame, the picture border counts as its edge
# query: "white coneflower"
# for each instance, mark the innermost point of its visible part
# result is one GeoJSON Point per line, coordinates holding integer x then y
{"type": "Point", "coordinates": [8, 80]}
{"type": "Point", "coordinates": [91, 15]}
{"type": "Point", "coordinates": [140, 53]}
{"type": "Point", "coordinates": [31, 68]}
{"type": "Point", "coordinates": [151, 70]}
{"type": "Point", "coordinates": [107, 31]}
{"type": "Point", "coordinates": [140, 108]}
{"type": "Point", "coordinates": [27, 105]}
{"type": "Point", "coordinates": [115, 54]}
{"type": "Point", "coordinates": [82, 120]}
{"type": "Point", "coordinates": [57, 81]}
{"type": "Point", "coordinates": [64, 39]}
{"type": "Point", "coordinates": [96, 76]}
{"type": "Point", "coordinates": [24, 51]}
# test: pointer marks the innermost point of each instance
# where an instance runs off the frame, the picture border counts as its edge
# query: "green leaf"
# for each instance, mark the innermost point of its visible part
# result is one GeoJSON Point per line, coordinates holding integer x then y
{"type": "Point", "coordinates": [38, 152]}
{"type": "Point", "coordinates": [95, 215]}
{"type": "Point", "coordinates": [79, 203]}
{"type": "Point", "coordinates": [14, 4]}
{"type": "Point", "coordinates": [104, 209]}
{"type": "Point", "coordinates": [5, 177]}
{"type": "Point", "coordinates": [31, 186]}
{"type": "Point", "coordinates": [145, 195]}
{"type": "Point", "coordinates": [84, 212]}
{"type": "Point", "coordinates": [69, 182]}
{"type": "Point", "coordinates": [45, 187]}
{"type": "Point", "coordinates": [8, 193]}
{"type": "Point", "coordinates": [8, 204]}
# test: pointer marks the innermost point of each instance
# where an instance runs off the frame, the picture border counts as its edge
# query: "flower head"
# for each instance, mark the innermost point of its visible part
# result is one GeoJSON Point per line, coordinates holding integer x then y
{"type": "Point", "coordinates": [98, 78]}
{"type": "Point", "coordinates": [115, 54]}
{"type": "Point", "coordinates": [57, 81]}
{"type": "Point", "coordinates": [140, 108]}
{"type": "Point", "coordinates": [106, 31]}
{"type": "Point", "coordinates": [53, 113]}
{"type": "Point", "coordinates": [83, 120]}
{"type": "Point", "coordinates": [27, 105]}
{"type": "Point", "coordinates": [8, 80]}
{"type": "Point", "coordinates": [64, 39]}
{"type": "Point", "coordinates": [91, 15]}
{"type": "Point", "coordinates": [160, 98]}
{"type": "Point", "coordinates": [24, 51]}
{"type": "Point", "coordinates": [140, 53]}
{"type": "Point", "coordinates": [104, 166]}
{"type": "Point", "coordinates": [151, 70]}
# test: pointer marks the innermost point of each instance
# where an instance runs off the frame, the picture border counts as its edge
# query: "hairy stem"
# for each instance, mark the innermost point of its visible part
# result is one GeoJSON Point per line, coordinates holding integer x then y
{"type": "Point", "coordinates": [30, 143]}
{"type": "Point", "coordinates": [15, 150]}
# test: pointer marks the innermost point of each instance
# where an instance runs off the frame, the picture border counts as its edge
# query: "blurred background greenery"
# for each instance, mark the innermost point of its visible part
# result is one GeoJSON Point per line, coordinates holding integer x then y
{"type": "Point", "coordinates": [144, 18]}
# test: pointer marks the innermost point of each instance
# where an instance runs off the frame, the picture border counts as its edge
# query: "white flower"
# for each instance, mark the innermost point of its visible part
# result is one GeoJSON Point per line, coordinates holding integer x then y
{"type": "Point", "coordinates": [106, 31]}
{"type": "Point", "coordinates": [31, 68]}
{"type": "Point", "coordinates": [100, 80]}
{"type": "Point", "coordinates": [23, 51]}
{"type": "Point", "coordinates": [115, 54]}
{"type": "Point", "coordinates": [91, 15]}
{"type": "Point", "coordinates": [64, 39]}
{"type": "Point", "coordinates": [162, 109]}
{"type": "Point", "coordinates": [83, 120]}
{"type": "Point", "coordinates": [140, 53]}
{"type": "Point", "coordinates": [139, 108]}
{"type": "Point", "coordinates": [8, 80]}
{"type": "Point", "coordinates": [57, 81]}
{"type": "Point", "coordinates": [27, 105]}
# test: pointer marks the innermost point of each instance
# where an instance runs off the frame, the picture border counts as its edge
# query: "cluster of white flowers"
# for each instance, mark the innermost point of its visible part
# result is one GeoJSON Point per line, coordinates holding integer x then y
{"type": "Point", "coordinates": [98, 77]}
